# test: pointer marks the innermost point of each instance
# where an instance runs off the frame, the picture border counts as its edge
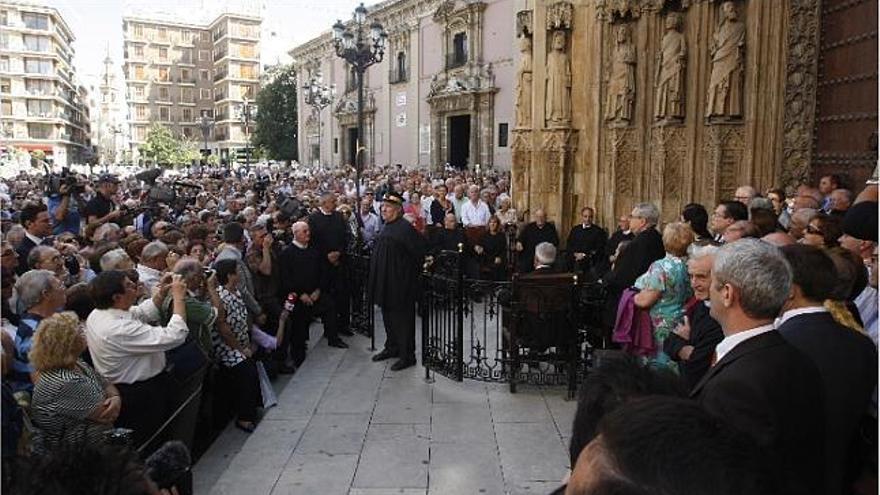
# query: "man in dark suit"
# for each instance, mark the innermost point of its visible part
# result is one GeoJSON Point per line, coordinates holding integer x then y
{"type": "Point", "coordinates": [693, 343]}
{"type": "Point", "coordinates": [586, 242]}
{"type": "Point", "coordinates": [634, 260]}
{"type": "Point", "coordinates": [35, 220]}
{"type": "Point", "coordinates": [760, 384]}
{"type": "Point", "coordinates": [847, 360]}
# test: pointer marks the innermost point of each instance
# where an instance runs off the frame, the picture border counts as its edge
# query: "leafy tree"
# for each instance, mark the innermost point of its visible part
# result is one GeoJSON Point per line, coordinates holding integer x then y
{"type": "Point", "coordinates": [160, 145]}
{"type": "Point", "coordinates": [276, 121]}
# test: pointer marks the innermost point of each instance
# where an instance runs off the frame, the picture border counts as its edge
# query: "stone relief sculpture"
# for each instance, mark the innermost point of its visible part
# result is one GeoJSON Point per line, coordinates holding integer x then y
{"type": "Point", "coordinates": [622, 84]}
{"type": "Point", "coordinates": [524, 84]}
{"type": "Point", "coordinates": [725, 100]}
{"type": "Point", "coordinates": [671, 60]}
{"type": "Point", "coordinates": [557, 99]}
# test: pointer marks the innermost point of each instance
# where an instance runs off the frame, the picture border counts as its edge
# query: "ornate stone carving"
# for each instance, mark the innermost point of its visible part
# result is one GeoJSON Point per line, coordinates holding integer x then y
{"type": "Point", "coordinates": [524, 20]}
{"type": "Point", "coordinates": [557, 96]}
{"type": "Point", "coordinates": [622, 83]}
{"type": "Point", "coordinates": [559, 16]}
{"type": "Point", "coordinates": [723, 150]}
{"type": "Point", "coordinates": [800, 91]}
{"type": "Point", "coordinates": [668, 154]}
{"type": "Point", "coordinates": [725, 98]}
{"type": "Point", "coordinates": [444, 10]}
{"type": "Point", "coordinates": [671, 61]}
{"type": "Point", "coordinates": [556, 152]}
{"type": "Point", "coordinates": [608, 10]}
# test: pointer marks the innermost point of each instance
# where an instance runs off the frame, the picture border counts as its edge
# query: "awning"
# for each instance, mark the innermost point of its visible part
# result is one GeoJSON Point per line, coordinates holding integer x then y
{"type": "Point", "coordinates": [47, 148]}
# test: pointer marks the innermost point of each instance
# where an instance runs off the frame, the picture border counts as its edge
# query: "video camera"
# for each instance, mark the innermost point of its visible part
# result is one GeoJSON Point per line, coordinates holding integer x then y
{"type": "Point", "coordinates": [165, 194]}
{"type": "Point", "coordinates": [66, 177]}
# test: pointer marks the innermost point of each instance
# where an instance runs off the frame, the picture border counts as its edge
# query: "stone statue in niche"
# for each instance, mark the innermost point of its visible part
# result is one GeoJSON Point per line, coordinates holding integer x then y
{"type": "Point", "coordinates": [725, 99]}
{"type": "Point", "coordinates": [557, 100]}
{"type": "Point", "coordinates": [669, 103]}
{"type": "Point", "coordinates": [622, 85]}
{"type": "Point", "coordinates": [524, 84]}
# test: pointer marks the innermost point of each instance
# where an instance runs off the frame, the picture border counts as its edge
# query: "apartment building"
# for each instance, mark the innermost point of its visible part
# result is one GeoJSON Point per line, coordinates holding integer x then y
{"type": "Point", "coordinates": [42, 107]}
{"type": "Point", "coordinates": [177, 72]}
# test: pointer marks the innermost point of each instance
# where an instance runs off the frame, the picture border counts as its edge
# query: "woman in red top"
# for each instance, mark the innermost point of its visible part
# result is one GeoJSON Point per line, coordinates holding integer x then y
{"type": "Point", "coordinates": [414, 208]}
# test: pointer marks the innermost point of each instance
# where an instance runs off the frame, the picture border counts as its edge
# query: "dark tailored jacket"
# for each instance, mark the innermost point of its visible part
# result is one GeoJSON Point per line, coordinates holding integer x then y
{"type": "Point", "coordinates": [590, 241]}
{"type": "Point", "coordinates": [302, 271]}
{"type": "Point", "coordinates": [767, 388]}
{"type": "Point", "coordinates": [705, 335]}
{"type": "Point", "coordinates": [396, 265]}
{"type": "Point", "coordinates": [531, 236]}
{"type": "Point", "coordinates": [847, 361]}
{"type": "Point", "coordinates": [645, 248]}
{"type": "Point", "coordinates": [24, 249]}
{"type": "Point", "coordinates": [329, 233]}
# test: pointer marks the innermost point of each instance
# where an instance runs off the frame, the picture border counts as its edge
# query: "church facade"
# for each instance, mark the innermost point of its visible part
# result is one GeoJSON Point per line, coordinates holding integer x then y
{"type": "Point", "coordinates": [443, 94]}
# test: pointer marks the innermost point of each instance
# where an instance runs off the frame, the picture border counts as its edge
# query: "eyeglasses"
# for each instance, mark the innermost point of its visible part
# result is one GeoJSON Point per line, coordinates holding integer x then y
{"type": "Point", "coordinates": [814, 230]}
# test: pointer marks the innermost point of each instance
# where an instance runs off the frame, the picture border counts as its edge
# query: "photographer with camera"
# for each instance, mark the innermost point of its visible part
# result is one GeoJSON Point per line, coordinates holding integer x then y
{"type": "Point", "coordinates": [101, 209]}
{"type": "Point", "coordinates": [65, 203]}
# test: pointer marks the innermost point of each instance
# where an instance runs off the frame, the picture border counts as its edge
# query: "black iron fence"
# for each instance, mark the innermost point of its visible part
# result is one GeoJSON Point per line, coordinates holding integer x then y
{"type": "Point", "coordinates": [538, 329]}
{"type": "Point", "coordinates": [362, 314]}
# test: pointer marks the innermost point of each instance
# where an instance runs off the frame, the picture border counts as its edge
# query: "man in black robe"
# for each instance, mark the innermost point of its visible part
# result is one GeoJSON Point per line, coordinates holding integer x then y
{"type": "Point", "coordinates": [533, 234]}
{"type": "Point", "coordinates": [330, 236]}
{"type": "Point", "coordinates": [395, 266]}
{"type": "Point", "coordinates": [586, 242]}
{"type": "Point", "coordinates": [303, 274]}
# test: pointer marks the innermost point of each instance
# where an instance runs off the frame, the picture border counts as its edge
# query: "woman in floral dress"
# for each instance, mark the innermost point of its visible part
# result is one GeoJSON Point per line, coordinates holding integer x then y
{"type": "Point", "coordinates": [665, 287]}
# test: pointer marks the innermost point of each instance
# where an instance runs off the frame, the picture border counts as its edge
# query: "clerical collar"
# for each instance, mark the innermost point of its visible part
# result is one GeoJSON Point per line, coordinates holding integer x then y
{"type": "Point", "coordinates": [586, 225]}
{"type": "Point", "coordinates": [300, 245]}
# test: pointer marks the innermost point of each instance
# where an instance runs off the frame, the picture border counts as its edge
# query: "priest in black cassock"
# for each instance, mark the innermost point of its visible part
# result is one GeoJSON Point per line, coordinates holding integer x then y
{"type": "Point", "coordinates": [533, 234]}
{"type": "Point", "coordinates": [586, 242]}
{"type": "Point", "coordinates": [398, 255]}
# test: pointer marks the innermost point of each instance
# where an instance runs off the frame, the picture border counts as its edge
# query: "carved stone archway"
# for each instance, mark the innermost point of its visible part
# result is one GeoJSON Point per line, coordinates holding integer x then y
{"type": "Point", "coordinates": [346, 117]}
{"type": "Point", "coordinates": [480, 106]}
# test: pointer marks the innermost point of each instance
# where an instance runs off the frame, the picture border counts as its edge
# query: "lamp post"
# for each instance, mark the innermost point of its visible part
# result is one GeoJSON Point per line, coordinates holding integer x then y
{"type": "Point", "coordinates": [318, 96]}
{"type": "Point", "coordinates": [206, 124]}
{"type": "Point", "coordinates": [247, 111]}
{"type": "Point", "coordinates": [360, 49]}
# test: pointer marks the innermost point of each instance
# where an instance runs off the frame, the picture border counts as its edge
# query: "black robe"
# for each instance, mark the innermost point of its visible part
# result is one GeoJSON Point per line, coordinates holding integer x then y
{"type": "Point", "coordinates": [494, 246]}
{"type": "Point", "coordinates": [448, 240]}
{"type": "Point", "coordinates": [531, 236]}
{"type": "Point", "coordinates": [396, 264]}
{"type": "Point", "coordinates": [590, 241]}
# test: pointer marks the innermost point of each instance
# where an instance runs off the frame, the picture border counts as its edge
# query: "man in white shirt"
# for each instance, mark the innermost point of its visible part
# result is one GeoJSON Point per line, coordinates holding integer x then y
{"type": "Point", "coordinates": [130, 352]}
{"type": "Point", "coordinates": [475, 212]}
{"type": "Point", "coordinates": [759, 383]}
{"type": "Point", "coordinates": [152, 265]}
{"type": "Point", "coordinates": [458, 200]}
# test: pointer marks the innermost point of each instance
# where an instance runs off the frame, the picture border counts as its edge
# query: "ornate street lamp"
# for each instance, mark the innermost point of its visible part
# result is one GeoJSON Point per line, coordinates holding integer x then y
{"type": "Point", "coordinates": [206, 124]}
{"type": "Point", "coordinates": [247, 111]}
{"type": "Point", "coordinates": [318, 96]}
{"type": "Point", "coordinates": [361, 49]}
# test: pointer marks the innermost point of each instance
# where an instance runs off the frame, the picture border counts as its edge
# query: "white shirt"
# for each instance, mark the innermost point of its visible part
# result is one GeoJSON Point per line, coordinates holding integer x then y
{"type": "Point", "coordinates": [731, 341]}
{"type": "Point", "coordinates": [150, 277]}
{"type": "Point", "coordinates": [791, 313]}
{"type": "Point", "coordinates": [126, 349]}
{"type": "Point", "coordinates": [866, 303]}
{"type": "Point", "coordinates": [472, 216]}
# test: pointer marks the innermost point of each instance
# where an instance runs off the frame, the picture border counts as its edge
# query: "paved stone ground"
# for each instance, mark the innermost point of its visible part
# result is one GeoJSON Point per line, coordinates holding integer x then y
{"type": "Point", "coordinates": [345, 425]}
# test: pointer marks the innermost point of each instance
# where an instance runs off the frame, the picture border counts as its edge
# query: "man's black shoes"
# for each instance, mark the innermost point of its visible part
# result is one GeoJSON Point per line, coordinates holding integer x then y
{"type": "Point", "coordinates": [338, 343]}
{"type": "Point", "coordinates": [385, 354]}
{"type": "Point", "coordinates": [403, 364]}
{"type": "Point", "coordinates": [345, 332]}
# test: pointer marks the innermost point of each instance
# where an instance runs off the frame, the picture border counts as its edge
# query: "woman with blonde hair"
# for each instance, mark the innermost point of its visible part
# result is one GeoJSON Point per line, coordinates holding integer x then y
{"type": "Point", "coordinates": [72, 404]}
{"type": "Point", "coordinates": [665, 287]}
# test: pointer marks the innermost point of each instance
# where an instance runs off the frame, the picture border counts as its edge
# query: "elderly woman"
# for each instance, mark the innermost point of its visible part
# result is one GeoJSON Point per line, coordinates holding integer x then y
{"type": "Point", "coordinates": [116, 259]}
{"type": "Point", "coordinates": [665, 287]}
{"type": "Point", "coordinates": [414, 208]}
{"type": "Point", "coordinates": [823, 231]}
{"type": "Point", "coordinates": [72, 404]}
{"type": "Point", "coordinates": [505, 212]}
{"type": "Point", "coordinates": [232, 346]}
{"type": "Point", "coordinates": [41, 294]}
{"type": "Point", "coordinates": [491, 249]}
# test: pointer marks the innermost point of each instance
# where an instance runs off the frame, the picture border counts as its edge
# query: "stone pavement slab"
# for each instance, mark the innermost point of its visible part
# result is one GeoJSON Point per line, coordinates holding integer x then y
{"type": "Point", "coordinates": [347, 426]}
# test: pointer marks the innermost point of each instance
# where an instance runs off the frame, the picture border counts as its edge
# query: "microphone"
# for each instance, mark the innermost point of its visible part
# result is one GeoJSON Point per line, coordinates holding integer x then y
{"type": "Point", "coordinates": [169, 467]}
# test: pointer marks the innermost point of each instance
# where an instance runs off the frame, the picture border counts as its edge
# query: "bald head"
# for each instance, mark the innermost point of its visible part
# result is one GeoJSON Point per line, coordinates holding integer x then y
{"type": "Point", "coordinates": [778, 239]}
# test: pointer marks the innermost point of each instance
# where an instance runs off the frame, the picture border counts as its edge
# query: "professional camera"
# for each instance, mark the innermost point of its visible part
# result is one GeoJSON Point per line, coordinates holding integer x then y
{"type": "Point", "coordinates": [66, 177]}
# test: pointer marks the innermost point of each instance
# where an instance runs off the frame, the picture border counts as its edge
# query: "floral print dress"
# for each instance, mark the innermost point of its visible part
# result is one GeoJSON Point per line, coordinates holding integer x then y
{"type": "Point", "coordinates": [668, 276]}
{"type": "Point", "coordinates": [236, 319]}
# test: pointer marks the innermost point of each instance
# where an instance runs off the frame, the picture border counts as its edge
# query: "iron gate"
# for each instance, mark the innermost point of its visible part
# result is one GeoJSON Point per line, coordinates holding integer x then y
{"type": "Point", "coordinates": [362, 314]}
{"type": "Point", "coordinates": [469, 328]}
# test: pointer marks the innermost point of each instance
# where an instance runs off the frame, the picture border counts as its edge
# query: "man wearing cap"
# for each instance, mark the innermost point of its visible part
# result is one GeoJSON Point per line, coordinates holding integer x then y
{"type": "Point", "coordinates": [860, 237]}
{"type": "Point", "coordinates": [397, 259]}
{"type": "Point", "coordinates": [101, 209]}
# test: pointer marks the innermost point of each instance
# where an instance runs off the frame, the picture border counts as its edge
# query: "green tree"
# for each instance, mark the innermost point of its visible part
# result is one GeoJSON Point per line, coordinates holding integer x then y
{"type": "Point", "coordinates": [161, 145]}
{"type": "Point", "coordinates": [276, 122]}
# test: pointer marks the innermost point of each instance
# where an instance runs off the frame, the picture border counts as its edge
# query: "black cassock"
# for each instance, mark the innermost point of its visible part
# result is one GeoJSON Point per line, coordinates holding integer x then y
{"type": "Point", "coordinates": [398, 255]}
{"type": "Point", "coordinates": [589, 240]}
{"type": "Point", "coordinates": [531, 236]}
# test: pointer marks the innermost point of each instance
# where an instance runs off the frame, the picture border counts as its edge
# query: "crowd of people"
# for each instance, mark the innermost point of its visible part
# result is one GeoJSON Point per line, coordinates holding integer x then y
{"type": "Point", "coordinates": [127, 302]}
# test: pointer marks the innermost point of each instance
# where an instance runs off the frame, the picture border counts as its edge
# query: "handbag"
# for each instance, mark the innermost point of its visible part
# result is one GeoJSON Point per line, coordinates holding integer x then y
{"type": "Point", "coordinates": [185, 360]}
{"type": "Point", "coordinates": [266, 390]}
